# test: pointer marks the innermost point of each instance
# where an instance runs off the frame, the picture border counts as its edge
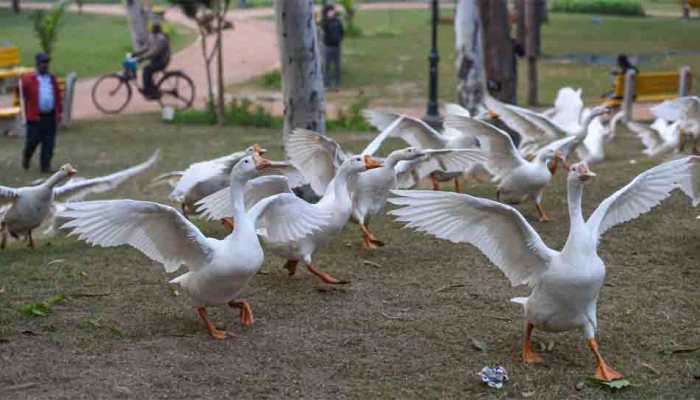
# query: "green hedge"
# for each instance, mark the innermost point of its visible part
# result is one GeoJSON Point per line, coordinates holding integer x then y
{"type": "Point", "coordinates": [612, 7]}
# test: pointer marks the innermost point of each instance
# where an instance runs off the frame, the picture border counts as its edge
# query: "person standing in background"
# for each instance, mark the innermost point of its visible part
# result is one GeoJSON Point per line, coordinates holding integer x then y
{"type": "Point", "coordinates": [42, 107]}
{"type": "Point", "coordinates": [332, 38]}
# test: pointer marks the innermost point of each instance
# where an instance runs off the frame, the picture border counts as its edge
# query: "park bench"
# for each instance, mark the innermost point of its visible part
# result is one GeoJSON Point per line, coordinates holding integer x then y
{"type": "Point", "coordinates": [648, 87]}
{"type": "Point", "coordinates": [10, 72]}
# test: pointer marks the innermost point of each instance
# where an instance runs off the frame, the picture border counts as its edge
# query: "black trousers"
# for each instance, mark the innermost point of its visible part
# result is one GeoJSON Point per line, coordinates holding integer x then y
{"type": "Point", "coordinates": [331, 66]}
{"type": "Point", "coordinates": [149, 87]}
{"type": "Point", "coordinates": [42, 132]}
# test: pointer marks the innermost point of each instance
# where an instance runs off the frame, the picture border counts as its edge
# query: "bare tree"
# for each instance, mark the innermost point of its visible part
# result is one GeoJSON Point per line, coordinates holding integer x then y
{"type": "Point", "coordinates": [499, 54]}
{"type": "Point", "coordinates": [138, 23]}
{"type": "Point", "coordinates": [302, 80]}
{"type": "Point", "coordinates": [471, 81]}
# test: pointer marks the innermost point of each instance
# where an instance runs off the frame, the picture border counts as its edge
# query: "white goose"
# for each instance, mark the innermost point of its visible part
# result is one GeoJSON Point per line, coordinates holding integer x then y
{"type": "Point", "coordinates": [537, 130]}
{"type": "Point", "coordinates": [686, 111]}
{"type": "Point", "coordinates": [660, 138]}
{"type": "Point", "coordinates": [336, 201]}
{"type": "Point", "coordinates": [203, 178]}
{"type": "Point", "coordinates": [420, 135]}
{"type": "Point", "coordinates": [41, 202]}
{"type": "Point", "coordinates": [29, 206]}
{"type": "Point", "coordinates": [517, 177]}
{"type": "Point", "coordinates": [567, 108]}
{"type": "Point", "coordinates": [319, 156]}
{"type": "Point", "coordinates": [565, 284]}
{"type": "Point", "coordinates": [218, 269]}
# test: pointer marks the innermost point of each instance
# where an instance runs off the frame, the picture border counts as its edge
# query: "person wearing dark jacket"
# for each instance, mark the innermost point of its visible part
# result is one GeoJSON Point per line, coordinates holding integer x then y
{"type": "Point", "coordinates": [157, 53]}
{"type": "Point", "coordinates": [42, 109]}
{"type": "Point", "coordinates": [332, 38]}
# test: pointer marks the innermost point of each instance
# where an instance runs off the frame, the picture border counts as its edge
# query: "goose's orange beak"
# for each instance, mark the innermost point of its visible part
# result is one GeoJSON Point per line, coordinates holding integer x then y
{"type": "Point", "coordinates": [260, 162]}
{"type": "Point", "coordinates": [493, 115]}
{"type": "Point", "coordinates": [585, 173]}
{"type": "Point", "coordinates": [70, 170]}
{"type": "Point", "coordinates": [371, 162]}
{"type": "Point", "coordinates": [258, 149]}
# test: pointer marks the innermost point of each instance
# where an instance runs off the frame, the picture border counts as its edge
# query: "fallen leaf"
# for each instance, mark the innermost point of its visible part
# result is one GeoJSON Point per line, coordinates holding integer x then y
{"type": "Point", "coordinates": [22, 386]}
{"type": "Point", "coordinates": [2, 290]}
{"type": "Point", "coordinates": [57, 261]}
{"type": "Point", "coordinates": [617, 384]}
{"type": "Point", "coordinates": [580, 385]}
{"type": "Point", "coordinates": [118, 331]}
{"type": "Point", "coordinates": [29, 333]}
{"type": "Point", "coordinates": [650, 368]}
{"type": "Point", "coordinates": [479, 345]}
{"type": "Point", "coordinates": [685, 350]}
{"type": "Point", "coordinates": [371, 263]}
{"type": "Point", "coordinates": [527, 395]}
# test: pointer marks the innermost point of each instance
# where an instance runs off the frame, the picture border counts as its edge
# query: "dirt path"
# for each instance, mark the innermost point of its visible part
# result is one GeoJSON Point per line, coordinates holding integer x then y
{"type": "Point", "coordinates": [243, 57]}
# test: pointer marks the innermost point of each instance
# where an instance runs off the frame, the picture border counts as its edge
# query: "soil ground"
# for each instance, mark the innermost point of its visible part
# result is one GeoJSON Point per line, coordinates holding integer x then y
{"type": "Point", "coordinates": [419, 320]}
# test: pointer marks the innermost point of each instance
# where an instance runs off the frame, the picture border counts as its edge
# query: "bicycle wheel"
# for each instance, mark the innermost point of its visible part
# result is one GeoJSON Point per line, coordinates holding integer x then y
{"type": "Point", "coordinates": [176, 90]}
{"type": "Point", "coordinates": [111, 93]}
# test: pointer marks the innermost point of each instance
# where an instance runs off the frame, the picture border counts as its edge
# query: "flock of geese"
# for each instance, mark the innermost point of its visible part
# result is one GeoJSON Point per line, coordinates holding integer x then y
{"type": "Point", "coordinates": [256, 198]}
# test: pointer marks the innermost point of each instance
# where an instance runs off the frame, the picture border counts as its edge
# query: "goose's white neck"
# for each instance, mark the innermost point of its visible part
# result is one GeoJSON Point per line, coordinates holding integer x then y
{"type": "Point", "coordinates": [337, 195]}
{"type": "Point", "coordinates": [54, 179]}
{"type": "Point", "coordinates": [579, 239]}
{"type": "Point", "coordinates": [243, 224]}
{"type": "Point", "coordinates": [391, 160]}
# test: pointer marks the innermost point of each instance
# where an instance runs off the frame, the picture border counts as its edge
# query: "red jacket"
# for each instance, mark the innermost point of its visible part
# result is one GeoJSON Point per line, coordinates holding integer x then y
{"type": "Point", "coordinates": [30, 92]}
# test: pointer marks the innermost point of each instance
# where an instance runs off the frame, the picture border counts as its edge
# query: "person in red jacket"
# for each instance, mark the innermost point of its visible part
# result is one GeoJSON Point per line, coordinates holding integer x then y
{"type": "Point", "coordinates": [42, 108]}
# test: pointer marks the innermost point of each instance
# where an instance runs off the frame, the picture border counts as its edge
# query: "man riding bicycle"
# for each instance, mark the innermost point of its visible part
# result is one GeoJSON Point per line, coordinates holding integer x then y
{"type": "Point", "coordinates": [157, 52]}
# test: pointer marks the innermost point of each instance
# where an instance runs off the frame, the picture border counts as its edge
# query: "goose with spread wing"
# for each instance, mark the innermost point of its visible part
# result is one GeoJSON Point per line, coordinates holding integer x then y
{"type": "Point", "coordinates": [319, 156]}
{"type": "Point", "coordinates": [517, 177]}
{"type": "Point", "coordinates": [686, 111]}
{"type": "Point", "coordinates": [27, 208]}
{"type": "Point", "coordinates": [660, 138]}
{"type": "Point", "coordinates": [537, 130]}
{"type": "Point", "coordinates": [335, 201]}
{"type": "Point", "coordinates": [203, 178]}
{"type": "Point", "coordinates": [420, 135]}
{"type": "Point", "coordinates": [565, 284]}
{"type": "Point", "coordinates": [218, 270]}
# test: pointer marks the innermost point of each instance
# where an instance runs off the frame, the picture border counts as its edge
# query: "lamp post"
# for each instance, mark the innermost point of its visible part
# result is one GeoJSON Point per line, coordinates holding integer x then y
{"type": "Point", "coordinates": [432, 116]}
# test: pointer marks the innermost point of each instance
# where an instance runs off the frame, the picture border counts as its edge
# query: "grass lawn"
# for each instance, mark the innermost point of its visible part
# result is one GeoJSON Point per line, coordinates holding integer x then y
{"type": "Point", "coordinates": [389, 63]}
{"type": "Point", "coordinates": [405, 327]}
{"type": "Point", "coordinates": [88, 44]}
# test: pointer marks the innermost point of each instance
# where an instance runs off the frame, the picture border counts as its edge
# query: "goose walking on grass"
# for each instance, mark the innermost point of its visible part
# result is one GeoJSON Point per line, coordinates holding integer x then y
{"type": "Point", "coordinates": [686, 111]}
{"type": "Point", "coordinates": [565, 284]}
{"type": "Point", "coordinates": [660, 138]}
{"type": "Point", "coordinates": [202, 178]}
{"type": "Point", "coordinates": [517, 177]}
{"type": "Point", "coordinates": [336, 201]}
{"type": "Point", "coordinates": [25, 209]}
{"type": "Point", "coordinates": [218, 270]}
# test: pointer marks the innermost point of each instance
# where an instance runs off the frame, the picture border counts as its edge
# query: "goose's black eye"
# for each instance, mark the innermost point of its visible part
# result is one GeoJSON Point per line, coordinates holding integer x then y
{"type": "Point", "coordinates": [246, 161]}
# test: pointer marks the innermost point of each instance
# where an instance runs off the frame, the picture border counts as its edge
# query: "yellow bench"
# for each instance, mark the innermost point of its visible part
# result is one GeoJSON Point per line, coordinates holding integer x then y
{"type": "Point", "coordinates": [694, 3]}
{"type": "Point", "coordinates": [10, 69]}
{"type": "Point", "coordinates": [648, 87]}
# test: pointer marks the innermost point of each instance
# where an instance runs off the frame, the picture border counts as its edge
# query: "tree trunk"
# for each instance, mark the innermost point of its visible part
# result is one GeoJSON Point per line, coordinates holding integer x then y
{"type": "Point", "coordinates": [15, 6]}
{"type": "Point", "coordinates": [302, 78]}
{"type": "Point", "coordinates": [471, 81]}
{"type": "Point", "coordinates": [207, 65]}
{"type": "Point", "coordinates": [138, 23]}
{"type": "Point", "coordinates": [532, 47]}
{"type": "Point", "coordinates": [499, 55]}
{"type": "Point", "coordinates": [220, 67]}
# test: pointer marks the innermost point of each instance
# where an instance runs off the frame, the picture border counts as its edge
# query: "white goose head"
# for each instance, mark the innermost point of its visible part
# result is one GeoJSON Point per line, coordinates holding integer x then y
{"type": "Point", "coordinates": [407, 154]}
{"type": "Point", "coordinates": [357, 164]}
{"type": "Point", "coordinates": [580, 172]}
{"type": "Point", "coordinates": [249, 167]}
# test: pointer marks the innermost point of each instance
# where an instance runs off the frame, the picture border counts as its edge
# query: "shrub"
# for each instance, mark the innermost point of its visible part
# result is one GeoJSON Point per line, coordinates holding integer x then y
{"type": "Point", "coordinates": [611, 7]}
{"type": "Point", "coordinates": [272, 80]}
{"type": "Point", "coordinates": [46, 24]}
{"type": "Point", "coordinates": [351, 119]}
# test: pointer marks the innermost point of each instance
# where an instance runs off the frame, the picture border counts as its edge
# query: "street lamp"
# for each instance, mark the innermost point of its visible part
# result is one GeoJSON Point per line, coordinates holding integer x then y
{"type": "Point", "coordinates": [432, 116]}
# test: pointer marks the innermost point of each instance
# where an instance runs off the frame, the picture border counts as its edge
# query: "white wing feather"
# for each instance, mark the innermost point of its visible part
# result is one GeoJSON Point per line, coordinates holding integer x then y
{"type": "Point", "coordinates": [218, 204]}
{"type": "Point", "coordinates": [7, 195]}
{"type": "Point", "coordinates": [78, 189]}
{"type": "Point", "coordinates": [498, 230]}
{"type": "Point", "coordinates": [203, 171]}
{"type": "Point", "coordinates": [691, 184]}
{"type": "Point", "coordinates": [285, 217]}
{"type": "Point", "coordinates": [645, 192]}
{"type": "Point", "coordinates": [316, 156]}
{"type": "Point", "coordinates": [158, 231]}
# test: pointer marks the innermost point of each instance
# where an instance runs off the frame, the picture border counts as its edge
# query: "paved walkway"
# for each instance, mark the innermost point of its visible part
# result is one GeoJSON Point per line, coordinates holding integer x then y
{"type": "Point", "coordinates": [250, 49]}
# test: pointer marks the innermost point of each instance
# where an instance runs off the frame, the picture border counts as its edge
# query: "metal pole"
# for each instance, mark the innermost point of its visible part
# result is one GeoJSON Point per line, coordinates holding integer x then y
{"type": "Point", "coordinates": [432, 116]}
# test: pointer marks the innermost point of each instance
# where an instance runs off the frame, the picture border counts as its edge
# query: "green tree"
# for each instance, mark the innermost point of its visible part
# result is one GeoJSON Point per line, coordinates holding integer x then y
{"type": "Point", "coordinates": [46, 24]}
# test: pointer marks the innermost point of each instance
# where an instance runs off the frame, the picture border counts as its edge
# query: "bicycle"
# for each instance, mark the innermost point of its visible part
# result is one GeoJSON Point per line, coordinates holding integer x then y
{"type": "Point", "coordinates": [112, 92]}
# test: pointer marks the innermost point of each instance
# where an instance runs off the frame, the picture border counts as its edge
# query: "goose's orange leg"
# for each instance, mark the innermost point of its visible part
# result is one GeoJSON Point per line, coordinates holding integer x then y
{"type": "Point", "coordinates": [529, 356]}
{"type": "Point", "coordinates": [325, 277]}
{"type": "Point", "coordinates": [368, 239]}
{"type": "Point", "coordinates": [602, 371]}
{"type": "Point", "coordinates": [458, 185]}
{"type": "Point", "coordinates": [30, 240]}
{"type": "Point", "coordinates": [544, 217]}
{"type": "Point", "coordinates": [247, 318]}
{"type": "Point", "coordinates": [436, 183]}
{"type": "Point", "coordinates": [215, 333]}
{"type": "Point", "coordinates": [229, 223]}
